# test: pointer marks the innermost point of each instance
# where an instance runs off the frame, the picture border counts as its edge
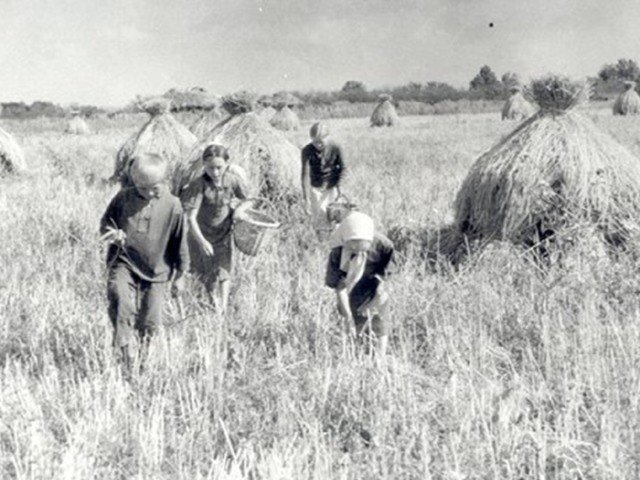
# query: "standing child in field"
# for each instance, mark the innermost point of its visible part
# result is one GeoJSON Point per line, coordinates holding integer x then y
{"type": "Point", "coordinates": [322, 170]}
{"type": "Point", "coordinates": [148, 249]}
{"type": "Point", "coordinates": [356, 270]}
{"type": "Point", "coordinates": [210, 203]}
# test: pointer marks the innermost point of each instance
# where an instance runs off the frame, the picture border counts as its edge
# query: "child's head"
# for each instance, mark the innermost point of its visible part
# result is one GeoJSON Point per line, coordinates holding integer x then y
{"type": "Point", "coordinates": [319, 133]}
{"type": "Point", "coordinates": [148, 174]}
{"type": "Point", "coordinates": [215, 159]}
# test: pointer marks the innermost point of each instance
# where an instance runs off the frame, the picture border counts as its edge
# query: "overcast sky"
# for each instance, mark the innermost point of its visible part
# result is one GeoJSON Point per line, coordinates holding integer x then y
{"type": "Point", "coordinates": [105, 52]}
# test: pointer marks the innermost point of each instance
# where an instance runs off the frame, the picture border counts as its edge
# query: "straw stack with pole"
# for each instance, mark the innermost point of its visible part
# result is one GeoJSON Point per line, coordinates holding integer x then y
{"type": "Point", "coordinates": [11, 155]}
{"type": "Point", "coordinates": [555, 176]}
{"type": "Point", "coordinates": [517, 107]}
{"type": "Point", "coordinates": [270, 160]}
{"type": "Point", "coordinates": [628, 102]}
{"type": "Point", "coordinates": [384, 115]}
{"type": "Point", "coordinates": [284, 117]}
{"type": "Point", "coordinates": [77, 125]}
{"type": "Point", "coordinates": [162, 135]}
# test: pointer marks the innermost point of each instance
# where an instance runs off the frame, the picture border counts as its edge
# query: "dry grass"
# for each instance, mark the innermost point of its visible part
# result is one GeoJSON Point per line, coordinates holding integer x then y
{"type": "Point", "coordinates": [497, 371]}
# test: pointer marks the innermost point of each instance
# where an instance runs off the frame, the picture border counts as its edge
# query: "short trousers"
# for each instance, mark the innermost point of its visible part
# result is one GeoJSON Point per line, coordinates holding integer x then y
{"type": "Point", "coordinates": [363, 292]}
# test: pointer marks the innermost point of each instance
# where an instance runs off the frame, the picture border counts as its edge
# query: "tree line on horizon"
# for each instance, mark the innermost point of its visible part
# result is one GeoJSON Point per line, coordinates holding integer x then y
{"type": "Point", "coordinates": [485, 85]}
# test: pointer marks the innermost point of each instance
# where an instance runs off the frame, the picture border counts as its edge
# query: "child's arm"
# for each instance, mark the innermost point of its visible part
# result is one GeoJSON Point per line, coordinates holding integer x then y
{"type": "Point", "coordinates": [338, 169]}
{"type": "Point", "coordinates": [192, 218]}
{"type": "Point", "coordinates": [305, 180]}
{"type": "Point", "coordinates": [109, 228]}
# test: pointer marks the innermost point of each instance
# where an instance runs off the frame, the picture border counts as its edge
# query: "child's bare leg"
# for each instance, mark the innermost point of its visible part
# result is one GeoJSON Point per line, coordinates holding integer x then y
{"type": "Point", "coordinates": [225, 289]}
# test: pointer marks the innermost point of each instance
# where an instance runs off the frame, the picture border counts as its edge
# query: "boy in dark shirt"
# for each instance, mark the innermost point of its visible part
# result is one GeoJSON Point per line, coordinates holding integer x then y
{"type": "Point", "coordinates": [148, 249]}
{"type": "Point", "coordinates": [356, 270]}
{"type": "Point", "coordinates": [322, 170]}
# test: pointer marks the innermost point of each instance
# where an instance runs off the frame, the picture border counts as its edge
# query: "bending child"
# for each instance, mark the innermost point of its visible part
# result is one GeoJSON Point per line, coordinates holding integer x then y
{"type": "Point", "coordinates": [356, 270]}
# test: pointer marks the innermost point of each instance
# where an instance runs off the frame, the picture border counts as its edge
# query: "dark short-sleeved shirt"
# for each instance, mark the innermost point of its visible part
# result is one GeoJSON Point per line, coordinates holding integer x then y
{"type": "Point", "coordinates": [214, 203]}
{"type": "Point", "coordinates": [326, 166]}
{"type": "Point", "coordinates": [378, 259]}
{"type": "Point", "coordinates": [156, 242]}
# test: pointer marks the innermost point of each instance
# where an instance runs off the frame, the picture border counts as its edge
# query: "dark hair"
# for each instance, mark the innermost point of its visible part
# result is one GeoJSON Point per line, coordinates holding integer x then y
{"type": "Point", "coordinates": [213, 151]}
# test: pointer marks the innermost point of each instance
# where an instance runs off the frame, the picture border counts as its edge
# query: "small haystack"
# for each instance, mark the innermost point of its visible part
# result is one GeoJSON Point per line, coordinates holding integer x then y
{"type": "Point", "coordinates": [285, 119]}
{"type": "Point", "coordinates": [203, 125]}
{"type": "Point", "coordinates": [628, 102]}
{"type": "Point", "coordinates": [77, 126]}
{"type": "Point", "coordinates": [553, 176]}
{"type": "Point", "coordinates": [266, 113]}
{"type": "Point", "coordinates": [517, 107]}
{"type": "Point", "coordinates": [384, 115]}
{"type": "Point", "coordinates": [162, 135]}
{"type": "Point", "coordinates": [11, 155]}
{"type": "Point", "coordinates": [271, 161]}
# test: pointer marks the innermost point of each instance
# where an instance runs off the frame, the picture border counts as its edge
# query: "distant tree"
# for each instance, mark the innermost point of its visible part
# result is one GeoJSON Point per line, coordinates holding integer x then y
{"type": "Point", "coordinates": [510, 79]}
{"type": "Point", "coordinates": [623, 69]}
{"type": "Point", "coordinates": [354, 91]}
{"type": "Point", "coordinates": [486, 83]}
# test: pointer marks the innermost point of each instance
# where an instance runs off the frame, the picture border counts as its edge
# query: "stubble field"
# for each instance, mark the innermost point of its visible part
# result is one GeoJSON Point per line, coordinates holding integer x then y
{"type": "Point", "coordinates": [496, 370]}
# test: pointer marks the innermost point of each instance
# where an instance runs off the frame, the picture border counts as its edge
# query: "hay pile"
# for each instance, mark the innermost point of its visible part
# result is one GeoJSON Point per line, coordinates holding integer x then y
{"type": "Point", "coordinates": [384, 115]}
{"type": "Point", "coordinates": [285, 119]}
{"type": "Point", "coordinates": [553, 176]}
{"type": "Point", "coordinates": [11, 155]}
{"type": "Point", "coordinates": [77, 126]}
{"type": "Point", "coordinates": [517, 107]}
{"type": "Point", "coordinates": [203, 125]}
{"type": "Point", "coordinates": [264, 107]}
{"type": "Point", "coordinates": [162, 135]}
{"type": "Point", "coordinates": [271, 161]}
{"type": "Point", "coordinates": [628, 102]}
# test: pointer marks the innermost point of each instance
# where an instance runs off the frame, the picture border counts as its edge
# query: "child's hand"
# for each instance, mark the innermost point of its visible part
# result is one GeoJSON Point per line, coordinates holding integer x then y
{"type": "Point", "coordinates": [114, 235]}
{"type": "Point", "coordinates": [178, 286]}
{"type": "Point", "coordinates": [207, 248]}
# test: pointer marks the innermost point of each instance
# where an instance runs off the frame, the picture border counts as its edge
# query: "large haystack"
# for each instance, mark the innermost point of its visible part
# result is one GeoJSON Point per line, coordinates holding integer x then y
{"type": "Point", "coordinates": [162, 135]}
{"type": "Point", "coordinates": [628, 102]}
{"type": "Point", "coordinates": [552, 177]}
{"type": "Point", "coordinates": [203, 125]}
{"type": "Point", "coordinates": [77, 126]}
{"type": "Point", "coordinates": [271, 161]}
{"type": "Point", "coordinates": [384, 115]}
{"type": "Point", "coordinates": [285, 119]}
{"type": "Point", "coordinates": [517, 107]}
{"type": "Point", "coordinates": [11, 155]}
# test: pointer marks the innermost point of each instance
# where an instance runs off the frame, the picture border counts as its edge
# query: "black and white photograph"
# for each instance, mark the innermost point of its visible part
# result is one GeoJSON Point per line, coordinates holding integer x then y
{"type": "Point", "coordinates": [320, 239]}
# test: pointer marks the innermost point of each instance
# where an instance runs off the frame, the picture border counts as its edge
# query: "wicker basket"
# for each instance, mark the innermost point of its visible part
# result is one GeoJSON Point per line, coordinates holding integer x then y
{"type": "Point", "coordinates": [249, 232]}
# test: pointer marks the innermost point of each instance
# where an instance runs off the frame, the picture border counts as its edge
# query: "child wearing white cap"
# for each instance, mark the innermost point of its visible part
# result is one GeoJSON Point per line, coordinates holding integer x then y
{"type": "Point", "coordinates": [356, 270]}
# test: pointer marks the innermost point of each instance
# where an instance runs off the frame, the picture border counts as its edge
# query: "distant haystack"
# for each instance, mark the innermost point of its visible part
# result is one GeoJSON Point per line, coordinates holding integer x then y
{"type": "Point", "coordinates": [554, 175]}
{"type": "Point", "coordinates": [628, 102]}
{"type": "Point", "coordinates": [162, 135]}
{"type": "Point", "coordinates": [192, 99]}
{"type": "Point", "coordinates": [285, 99]}
{"type": "Point", "coordinates": [206, 122]}
{"type": "Point", "coordinates": [266, 113]}
{"type": "Point", "coordinates": [271, 161]}
{"type": "Point", "coordinates": [384, 115]}
{"type": "Point", "coordinates": [517, 107]}
{"type": "Point", "coordinates": [77, 126]}
{"type": "Point", "coordinates": [11, 155]}
{"type": "Point", "coordinates": [285, 119]}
